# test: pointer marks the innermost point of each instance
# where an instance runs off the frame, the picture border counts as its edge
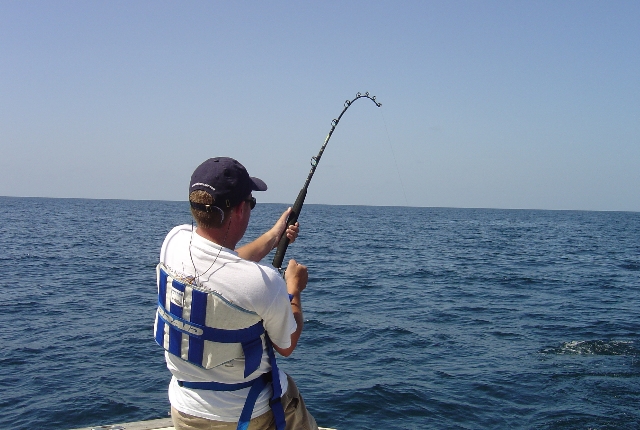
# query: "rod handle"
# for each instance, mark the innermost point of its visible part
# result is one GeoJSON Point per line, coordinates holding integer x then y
{"type": "Point", "coordinates": [291, 219]}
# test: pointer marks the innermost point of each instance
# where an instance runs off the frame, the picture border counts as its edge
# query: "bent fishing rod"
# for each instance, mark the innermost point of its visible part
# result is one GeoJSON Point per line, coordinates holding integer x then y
{"type": "Point", "coordinates": [297, 206]}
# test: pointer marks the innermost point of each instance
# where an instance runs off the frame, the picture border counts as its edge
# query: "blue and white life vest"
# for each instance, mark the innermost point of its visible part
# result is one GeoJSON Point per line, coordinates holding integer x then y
{"type": "Point", "coordinates": [203, 328]}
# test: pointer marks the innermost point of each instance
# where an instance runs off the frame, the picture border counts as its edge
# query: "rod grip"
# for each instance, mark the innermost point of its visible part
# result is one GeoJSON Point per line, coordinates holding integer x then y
{"type": "Point", "coordinates": [291, 219]}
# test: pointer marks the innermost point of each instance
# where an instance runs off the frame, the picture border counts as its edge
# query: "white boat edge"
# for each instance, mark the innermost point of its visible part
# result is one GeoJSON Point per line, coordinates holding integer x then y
{"type": "Point", "coordinates": [159, 424]}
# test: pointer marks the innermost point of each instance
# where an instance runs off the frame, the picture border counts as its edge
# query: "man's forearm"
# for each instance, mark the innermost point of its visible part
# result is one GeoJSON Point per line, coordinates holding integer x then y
{"type": "Point", "coordinates": [259, 248]}
{"type": "Point", "coordinates": [296, 308]}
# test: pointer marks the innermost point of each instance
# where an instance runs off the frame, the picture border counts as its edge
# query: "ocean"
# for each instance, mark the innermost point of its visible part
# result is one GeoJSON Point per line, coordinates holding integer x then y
{"type": "Point", "coordinates": [415, 318]}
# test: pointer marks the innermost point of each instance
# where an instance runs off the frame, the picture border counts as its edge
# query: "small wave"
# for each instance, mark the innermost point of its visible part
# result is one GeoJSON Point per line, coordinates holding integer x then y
{"type": "Point", "coordinates": [594, 347]}
{"type": "Point", "coordinates": [506, 335]}
{"type": "Point", "coordinates": [395, 331]}
{"type": "Point", "coordinates": [631, 266]}
{"type": "Point", "coordinates": [399, 400]}
{"type": "Point", "coordinates": [316, 324]}
{"type": "Point", "coordinates": [421, 273]}
{"type": "Point", "coordinates": [5, 363]}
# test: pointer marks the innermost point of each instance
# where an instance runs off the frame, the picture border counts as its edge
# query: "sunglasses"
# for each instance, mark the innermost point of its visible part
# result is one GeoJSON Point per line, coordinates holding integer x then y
{"type": "Point", "coordinates": [252, 202]}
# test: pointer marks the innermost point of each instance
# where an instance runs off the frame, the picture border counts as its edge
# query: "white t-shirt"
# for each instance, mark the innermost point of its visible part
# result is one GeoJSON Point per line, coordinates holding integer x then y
{"type": "Point", "coordinates": [252, 286]}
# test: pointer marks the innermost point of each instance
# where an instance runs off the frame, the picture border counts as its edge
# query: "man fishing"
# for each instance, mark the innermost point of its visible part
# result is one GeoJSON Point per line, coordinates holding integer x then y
{"type": "Point", "coordinates": [221, 314]}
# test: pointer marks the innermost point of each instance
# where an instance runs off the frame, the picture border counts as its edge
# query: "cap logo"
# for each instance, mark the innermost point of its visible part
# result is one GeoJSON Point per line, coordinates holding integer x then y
{"type": "Point", "coordinates": [202, 185]}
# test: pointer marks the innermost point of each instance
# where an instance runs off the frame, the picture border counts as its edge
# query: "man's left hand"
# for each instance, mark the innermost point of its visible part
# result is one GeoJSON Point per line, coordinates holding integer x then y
{"type": "Point", "coordinates": [292, 231]}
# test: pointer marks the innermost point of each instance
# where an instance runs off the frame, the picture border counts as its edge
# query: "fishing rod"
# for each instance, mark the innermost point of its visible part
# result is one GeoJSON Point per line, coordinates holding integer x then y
{"type": "Point", "coordinates": [297, 206]}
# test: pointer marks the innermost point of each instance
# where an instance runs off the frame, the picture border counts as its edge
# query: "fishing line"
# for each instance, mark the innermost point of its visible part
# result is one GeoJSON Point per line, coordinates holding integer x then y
{"type": "Point", "coordinates": [394, 158]}
{"type": "Point", "coordinates": [297, 206]}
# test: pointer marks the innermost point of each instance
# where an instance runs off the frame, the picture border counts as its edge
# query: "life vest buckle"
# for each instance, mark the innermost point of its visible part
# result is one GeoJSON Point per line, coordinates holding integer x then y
{"type": "Point", "coordinates": [276, 401]}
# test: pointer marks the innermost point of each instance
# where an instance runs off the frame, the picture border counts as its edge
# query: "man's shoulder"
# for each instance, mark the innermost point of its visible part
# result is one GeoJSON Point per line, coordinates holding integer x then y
{"type": "Point", "coordinates": [257, 280]}
{"type": "Point", "coordinates": [267, 272]}
{"type": "Point", "coordinates": [180, 229]}
{"type": "Point", "coordinates": [257, 274]}
{"type": "Point", "coordinates": [175, 241]}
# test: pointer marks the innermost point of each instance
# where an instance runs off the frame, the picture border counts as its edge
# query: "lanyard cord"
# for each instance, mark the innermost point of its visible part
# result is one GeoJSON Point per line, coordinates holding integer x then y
{"type": "Point", "coordinates": [197, 277]}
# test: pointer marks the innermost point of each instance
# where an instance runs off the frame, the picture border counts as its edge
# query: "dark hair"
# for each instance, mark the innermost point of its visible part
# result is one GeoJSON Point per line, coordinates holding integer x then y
{"type": "Point", "coordinates": [213, 219]}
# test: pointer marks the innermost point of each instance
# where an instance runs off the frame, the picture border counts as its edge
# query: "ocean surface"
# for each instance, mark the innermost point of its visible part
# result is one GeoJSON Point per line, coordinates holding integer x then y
{"type": "Point", "coordinates": [416, 318]}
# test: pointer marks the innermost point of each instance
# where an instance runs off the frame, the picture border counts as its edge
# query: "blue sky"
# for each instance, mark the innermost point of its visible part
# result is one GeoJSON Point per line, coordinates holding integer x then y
{"type": "Point", "coordinates": [502, 104]}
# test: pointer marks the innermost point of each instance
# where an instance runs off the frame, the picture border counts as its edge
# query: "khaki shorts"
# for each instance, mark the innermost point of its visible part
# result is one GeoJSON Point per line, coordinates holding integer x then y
{"type": "Point", "coordinates": [295, 412]}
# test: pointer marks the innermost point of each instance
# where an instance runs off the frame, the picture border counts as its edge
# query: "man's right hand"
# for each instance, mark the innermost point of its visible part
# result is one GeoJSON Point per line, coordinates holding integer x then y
{"type": "Point", "coordinates": [296, 276]}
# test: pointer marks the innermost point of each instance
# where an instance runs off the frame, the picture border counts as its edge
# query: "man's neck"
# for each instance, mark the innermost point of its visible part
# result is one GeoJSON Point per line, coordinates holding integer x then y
{"type": "Point", "coordinates": [219, 236]}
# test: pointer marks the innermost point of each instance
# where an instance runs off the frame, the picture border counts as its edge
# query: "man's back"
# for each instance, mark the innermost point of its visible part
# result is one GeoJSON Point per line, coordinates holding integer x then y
{"type": "Point", "coordinates": [250, 286]}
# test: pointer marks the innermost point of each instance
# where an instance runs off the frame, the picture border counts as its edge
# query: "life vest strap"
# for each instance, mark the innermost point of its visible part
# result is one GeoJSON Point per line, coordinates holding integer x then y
{"type": "Point", "coordinates": [248, 337]}
{"type": "Point", "coordinates": [257, 385]}
{"type": "Point", "coordinates": [252, 397]}
{"type": "Point", "coordinates": [210, 333]}
{"type": "Point", "coordinates": [276, 399]}
{"type": "Point", "coordinates": [216, 386]}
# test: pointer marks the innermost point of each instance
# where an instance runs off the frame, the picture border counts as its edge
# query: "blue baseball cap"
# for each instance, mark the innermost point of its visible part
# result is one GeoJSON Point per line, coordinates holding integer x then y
{"type": "Point", "coordinates": [225, 180]}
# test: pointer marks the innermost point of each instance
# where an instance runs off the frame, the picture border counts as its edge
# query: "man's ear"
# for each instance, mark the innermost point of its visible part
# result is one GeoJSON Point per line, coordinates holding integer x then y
{"type": "Point", "coordinates": [238, 209]}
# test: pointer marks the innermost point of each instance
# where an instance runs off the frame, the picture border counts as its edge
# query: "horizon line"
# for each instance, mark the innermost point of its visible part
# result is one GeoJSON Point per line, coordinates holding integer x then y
{"type": "Point", "coordinates": [337, 204]}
